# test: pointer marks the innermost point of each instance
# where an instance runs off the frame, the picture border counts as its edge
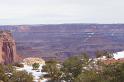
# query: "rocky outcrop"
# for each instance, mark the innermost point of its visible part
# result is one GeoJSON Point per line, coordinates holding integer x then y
{"type": "Point", "coordinates": [7, 48]}
{"type": "Point", "coordinates": [32, 60]}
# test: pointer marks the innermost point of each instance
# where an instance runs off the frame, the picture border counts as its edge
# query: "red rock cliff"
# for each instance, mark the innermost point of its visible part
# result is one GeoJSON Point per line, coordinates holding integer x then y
{"type": "Point", "coordinates": [7, 48]}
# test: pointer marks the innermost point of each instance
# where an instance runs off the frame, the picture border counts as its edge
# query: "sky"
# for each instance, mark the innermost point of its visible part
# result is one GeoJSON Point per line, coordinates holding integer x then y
{"type": "Point", "coordinates": [13, 12]}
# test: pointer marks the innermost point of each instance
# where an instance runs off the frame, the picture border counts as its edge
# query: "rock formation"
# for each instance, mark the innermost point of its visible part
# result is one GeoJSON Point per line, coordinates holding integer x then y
{"type": "Point", "coordinates": [32, 60]}
{"type": "Point", "coordinates": [7, 48]}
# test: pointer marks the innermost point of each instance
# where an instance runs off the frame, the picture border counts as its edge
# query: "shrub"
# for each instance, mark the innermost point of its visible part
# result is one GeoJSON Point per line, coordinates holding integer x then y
{"type": "Point", "coordinates": [35, 66]}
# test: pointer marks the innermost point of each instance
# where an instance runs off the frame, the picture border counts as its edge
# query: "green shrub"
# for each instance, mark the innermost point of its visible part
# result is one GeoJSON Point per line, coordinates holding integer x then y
{"type": "Point", "coordinates": [35, 66]}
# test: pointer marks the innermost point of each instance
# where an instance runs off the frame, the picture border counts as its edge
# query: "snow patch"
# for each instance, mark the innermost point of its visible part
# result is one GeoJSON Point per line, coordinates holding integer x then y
{"type": "Point", "coordinates": [119, 55]}
{"type": "Point", "coordinates": [35, 73]}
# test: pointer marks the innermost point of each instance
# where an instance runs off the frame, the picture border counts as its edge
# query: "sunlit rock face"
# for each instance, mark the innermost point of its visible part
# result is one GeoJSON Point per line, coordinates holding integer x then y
{"type": "Point", "coordinates": [32, 60]}
{"type": "Point", "coordinates": [7, 48]}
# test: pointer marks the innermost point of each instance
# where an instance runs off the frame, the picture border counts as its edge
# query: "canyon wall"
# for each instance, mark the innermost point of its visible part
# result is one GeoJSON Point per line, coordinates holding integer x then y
{"type": "Point", "coordinates": [61, 41]}
{"type": "Point", "coordinates": [7, 48]}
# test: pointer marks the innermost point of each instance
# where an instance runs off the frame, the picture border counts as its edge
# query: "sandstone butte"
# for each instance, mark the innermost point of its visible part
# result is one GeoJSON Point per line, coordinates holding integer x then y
{"type": "Point", "coordinates": [8, 48]}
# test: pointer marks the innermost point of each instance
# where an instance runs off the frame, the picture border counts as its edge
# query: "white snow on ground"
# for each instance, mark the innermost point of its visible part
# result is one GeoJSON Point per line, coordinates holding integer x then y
{"type": "Point", "coordinates": [119, 55]}
{"type": "Point", "coordinates": [34, 72]}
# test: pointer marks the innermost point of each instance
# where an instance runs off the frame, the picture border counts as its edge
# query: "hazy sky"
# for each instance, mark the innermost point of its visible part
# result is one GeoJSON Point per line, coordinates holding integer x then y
{"type": "Point", "coordinates": [61, 11]}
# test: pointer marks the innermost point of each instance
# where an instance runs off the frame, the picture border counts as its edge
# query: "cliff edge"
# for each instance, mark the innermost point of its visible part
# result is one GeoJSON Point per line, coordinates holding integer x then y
{"type": "Point", "coordinates": [7, 48]}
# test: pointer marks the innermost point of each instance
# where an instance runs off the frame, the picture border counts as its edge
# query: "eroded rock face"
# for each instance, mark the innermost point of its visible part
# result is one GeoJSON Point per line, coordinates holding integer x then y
{"type": "Point", "coordinates": [7, 48]}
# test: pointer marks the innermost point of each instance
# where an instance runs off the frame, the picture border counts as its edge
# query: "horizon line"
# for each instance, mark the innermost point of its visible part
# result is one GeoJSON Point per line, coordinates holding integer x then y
{"type": "Point", "coordinates": [54, 24]}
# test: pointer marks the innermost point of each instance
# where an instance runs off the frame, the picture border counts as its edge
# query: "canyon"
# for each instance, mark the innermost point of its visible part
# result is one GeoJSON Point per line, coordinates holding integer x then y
{"type": "Point", "coordinates": [61, 41]}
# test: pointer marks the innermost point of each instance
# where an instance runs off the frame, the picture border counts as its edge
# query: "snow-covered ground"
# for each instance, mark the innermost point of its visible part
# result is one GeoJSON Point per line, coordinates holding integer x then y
{"type": "Point", "coordinates": [119, 55]}
{"type": "Point", "coordinates": [35, 73]}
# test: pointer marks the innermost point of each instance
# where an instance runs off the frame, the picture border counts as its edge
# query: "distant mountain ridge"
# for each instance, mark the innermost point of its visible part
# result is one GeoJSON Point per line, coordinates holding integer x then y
{"type": "Point", "coordinates": [64, 27]}
{"type": "Point", "coordinates": [64, 40]}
